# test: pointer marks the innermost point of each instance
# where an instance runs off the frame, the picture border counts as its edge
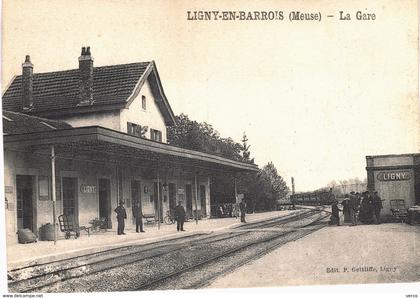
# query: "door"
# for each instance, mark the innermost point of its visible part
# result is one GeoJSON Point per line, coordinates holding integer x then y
{"type": "Point", "coordinates": [135, 196]}
{"type": "Point", "coordinates": [158, 201]}
{"type": "Point", "coordinates": [25, 192]}
{"type": "Point", "coordinates": [188, 196]}
{"type": "Point", "coordinates": [172, 197]}
{"type": "Point", "coordinates": [417, 185]}
{"type": "Point", "coordinates": [203, 200]}
{"type": "Point", "coordinates": [70, 198]}
{"type": "Point", "coordinates": [105, 201]}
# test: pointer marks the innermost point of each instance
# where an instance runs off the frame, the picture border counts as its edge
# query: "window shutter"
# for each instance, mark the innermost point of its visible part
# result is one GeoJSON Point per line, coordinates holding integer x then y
{"type": "Point", "coordinates": [138, 130]}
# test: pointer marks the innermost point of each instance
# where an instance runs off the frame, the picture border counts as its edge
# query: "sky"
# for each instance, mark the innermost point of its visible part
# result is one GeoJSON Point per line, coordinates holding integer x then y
{"type": "Point", "coordinates": [313, 97]}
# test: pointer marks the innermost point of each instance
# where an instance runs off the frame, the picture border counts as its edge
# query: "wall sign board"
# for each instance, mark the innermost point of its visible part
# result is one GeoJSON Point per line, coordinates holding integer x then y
{"type": "Point", "coordinates": [394, 176]}
{"type": "Point", "coordinates": [90, 189]}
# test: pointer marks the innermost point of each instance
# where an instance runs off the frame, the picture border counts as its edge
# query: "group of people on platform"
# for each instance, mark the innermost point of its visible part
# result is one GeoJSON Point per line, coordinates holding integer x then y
{"type": "Point", "coordinates": [358, 207]}
{"type": "Point", "coordinates": [232, 210]}
{"type": "Point", "coordinates": [138, 215]}
{"type": "Point", "coordinates": [180, 215]}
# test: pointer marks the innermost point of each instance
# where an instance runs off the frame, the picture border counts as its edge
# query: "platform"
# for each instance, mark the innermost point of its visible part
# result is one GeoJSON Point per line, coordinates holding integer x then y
{"type": "Point", "coordinates": [384, 253]}
{"type": "Point", "coordinates": [19, 255]}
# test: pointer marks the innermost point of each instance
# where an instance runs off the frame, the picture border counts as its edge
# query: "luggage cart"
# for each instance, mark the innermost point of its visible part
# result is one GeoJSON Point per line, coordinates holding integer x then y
{"type": "Point", "coordinates": [68, 227]}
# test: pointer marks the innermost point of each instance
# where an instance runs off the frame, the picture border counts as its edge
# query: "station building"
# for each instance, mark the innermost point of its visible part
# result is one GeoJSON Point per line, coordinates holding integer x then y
{"type": "Point", "coordinates": [394, 177]}
{"type": "Point", "coordinates": [102, 132]}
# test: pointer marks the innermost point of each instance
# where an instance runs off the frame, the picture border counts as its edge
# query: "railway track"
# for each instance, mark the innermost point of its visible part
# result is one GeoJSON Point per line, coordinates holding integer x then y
{"type": "Point", "coordinates": [223, 263]}
{"type": "Point", "coordinates": [58, 276]}
{"type": "Point", "coordinates": [278, 221]}
{"type": "Point", "coordinates": [33, 278]}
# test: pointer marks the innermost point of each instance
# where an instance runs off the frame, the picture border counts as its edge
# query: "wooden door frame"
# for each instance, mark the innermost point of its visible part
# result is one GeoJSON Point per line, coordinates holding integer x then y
{"type": "Point", "coordinates": [203, 207]}
{"type": "Point", "coordinates": [76, 199]}
{"type": "Point", "coordinates": [34, 201]}
{"type": "Point", "coordinates": [136, 180]}
{"type": "Point", "coordinates": [109, 211]}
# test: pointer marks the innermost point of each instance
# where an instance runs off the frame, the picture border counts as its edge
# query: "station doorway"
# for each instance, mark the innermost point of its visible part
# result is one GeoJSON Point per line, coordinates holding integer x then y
{"type": "Point", "coordinates": [158, 201]}
{"type": "Point", "coordinates": [104, 196]}
{"type": "Point", "coordinates": [417, 185]}
{"type": "Point", "coordinates": [26, 203]}
{"type": "Point", "coordinates": [188, 197]}
{"type": "Point", "coordinates": [136, 197]}
{"type": "Point", "coordinates": [70, 204]}
{"type": "Point", "coordinates": [203, 200]}
{"type": "Point", "coordinates": [172, 197]}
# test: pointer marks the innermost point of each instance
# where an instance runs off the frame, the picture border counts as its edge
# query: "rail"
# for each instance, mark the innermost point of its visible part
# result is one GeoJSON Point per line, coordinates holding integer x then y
{"type": "Point", "coordinates": [59, 271]}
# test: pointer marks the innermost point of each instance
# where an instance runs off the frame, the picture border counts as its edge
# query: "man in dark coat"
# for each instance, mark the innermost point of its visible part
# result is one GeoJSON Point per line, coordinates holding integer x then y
{"type": "Point", "coordinates": [121, 216]}
{"type": "Point", "coordinates": [354, 207]}
{"type": "Point", "coordinates": [335, 216]}
{"type": "Point", "coordinates": [242, 209]}
{"type": "Point", "coordinates": [180, 216]}
{"type": "Point", "coordinates": [138, 215]}
{"type": "Point", "coordinates": [346, 208]}
{"type": "Point", "coordinates": [377, 206]}
{"type": "Point", "coordinates": [366, 208]}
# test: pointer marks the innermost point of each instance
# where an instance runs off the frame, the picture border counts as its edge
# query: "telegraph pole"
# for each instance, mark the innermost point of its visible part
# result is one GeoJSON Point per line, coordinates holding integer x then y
{"type": "Point", "coordinates": [293, 186]}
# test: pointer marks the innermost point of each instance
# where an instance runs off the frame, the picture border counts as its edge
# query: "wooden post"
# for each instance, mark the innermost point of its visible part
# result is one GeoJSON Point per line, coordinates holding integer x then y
{"type": "Point", "coordinates": [117, 176]}
{"type": "Point", "coordinates": [236, 197]}
{"type": "Point", "coordinates": [196, 195]}
{"type": "Point", "coordinates": [158, 196]}
{"type": "Point", "coordinates": [293, 186]}
{"type": "Point", "coordinates": [53, 192]}
{"type": "Point", "coordinates": [208, 194]}
{"type": "Point", "coordinates": [236, 191]}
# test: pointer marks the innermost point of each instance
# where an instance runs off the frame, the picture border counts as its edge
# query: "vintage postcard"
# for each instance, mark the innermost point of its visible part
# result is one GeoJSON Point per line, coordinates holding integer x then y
{"type": "Point", "coordinates": [211, 146]}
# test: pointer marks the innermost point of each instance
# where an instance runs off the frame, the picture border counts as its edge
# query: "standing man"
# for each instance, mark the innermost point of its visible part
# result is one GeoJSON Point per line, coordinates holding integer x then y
{"type": "Point", "coordinates": [377, 206]}
{"type": "Point", "coordinates": [121, 216]}
{"type": "Point", "coordinates": [354, 206]}
{"type": "Point", "coordinates": [335, 217]}
{"type": "Point", "coordinates": [242, 208]}
{"type": "Point", "coordinates": [180, 216]}
{"type": "Point", "coordinates": [346, 208]}
{"type": "Point", "coordinates": [138, 215]}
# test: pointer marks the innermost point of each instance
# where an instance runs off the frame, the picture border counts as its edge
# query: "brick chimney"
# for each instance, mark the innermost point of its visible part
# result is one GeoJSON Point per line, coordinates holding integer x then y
{"type": "Point", "coordinates": [85, 77]}
{"type": "Point", "coordinates": [27, 83]}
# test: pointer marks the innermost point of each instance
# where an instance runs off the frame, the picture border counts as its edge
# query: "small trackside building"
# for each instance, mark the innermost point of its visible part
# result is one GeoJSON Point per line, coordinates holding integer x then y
{"type": "Point", "coordinates": [102, 132]}
{"type": "Point", "coordinates": [394, 177]}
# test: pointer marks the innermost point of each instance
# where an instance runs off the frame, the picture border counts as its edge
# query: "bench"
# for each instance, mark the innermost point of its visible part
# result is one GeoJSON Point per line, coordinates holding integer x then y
{"type": "Point", "coordinates": [398, 210]}
{"type": "Point", "coordinates": [150, 218]}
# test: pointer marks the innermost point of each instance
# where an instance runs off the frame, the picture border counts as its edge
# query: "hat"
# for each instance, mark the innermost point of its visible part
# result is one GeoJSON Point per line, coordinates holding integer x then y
{"type": "Point", "coordinates": [121, 202]}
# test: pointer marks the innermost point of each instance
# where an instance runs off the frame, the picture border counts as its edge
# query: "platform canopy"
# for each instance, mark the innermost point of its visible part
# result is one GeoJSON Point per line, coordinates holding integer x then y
{"type": "Point", "coordinates": [103, 145]}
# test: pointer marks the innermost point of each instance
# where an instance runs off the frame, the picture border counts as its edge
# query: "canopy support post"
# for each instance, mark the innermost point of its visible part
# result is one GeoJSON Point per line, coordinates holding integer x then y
{"type": "Point", "coordinates": [53, 193]}
{"type": "Point", "coordinates": [196, 195]}
{"type": "Point", "coordinates": [158, 195]}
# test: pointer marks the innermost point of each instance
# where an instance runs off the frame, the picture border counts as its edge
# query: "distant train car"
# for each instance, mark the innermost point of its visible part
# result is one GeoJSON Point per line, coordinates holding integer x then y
{"type": "Point", "coordinates": [313, 198]}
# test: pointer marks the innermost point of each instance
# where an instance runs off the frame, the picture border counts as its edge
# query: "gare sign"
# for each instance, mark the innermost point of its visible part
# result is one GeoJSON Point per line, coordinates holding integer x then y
{"type": "Point", "coordinates": [90, 189]}
{"type": "Point", "coordinates": [394, 176]}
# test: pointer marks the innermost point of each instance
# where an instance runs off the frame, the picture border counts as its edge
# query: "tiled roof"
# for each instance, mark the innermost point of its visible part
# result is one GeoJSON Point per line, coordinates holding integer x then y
{"type": "Point", "coordinates": [60, 90]}
{"type": "Point", "coordinates": [18, 123]}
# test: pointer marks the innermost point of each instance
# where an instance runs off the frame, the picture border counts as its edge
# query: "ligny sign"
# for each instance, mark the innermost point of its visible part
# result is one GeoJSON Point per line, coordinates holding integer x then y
{"type": "Point", "coordinates": [394, 176]}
